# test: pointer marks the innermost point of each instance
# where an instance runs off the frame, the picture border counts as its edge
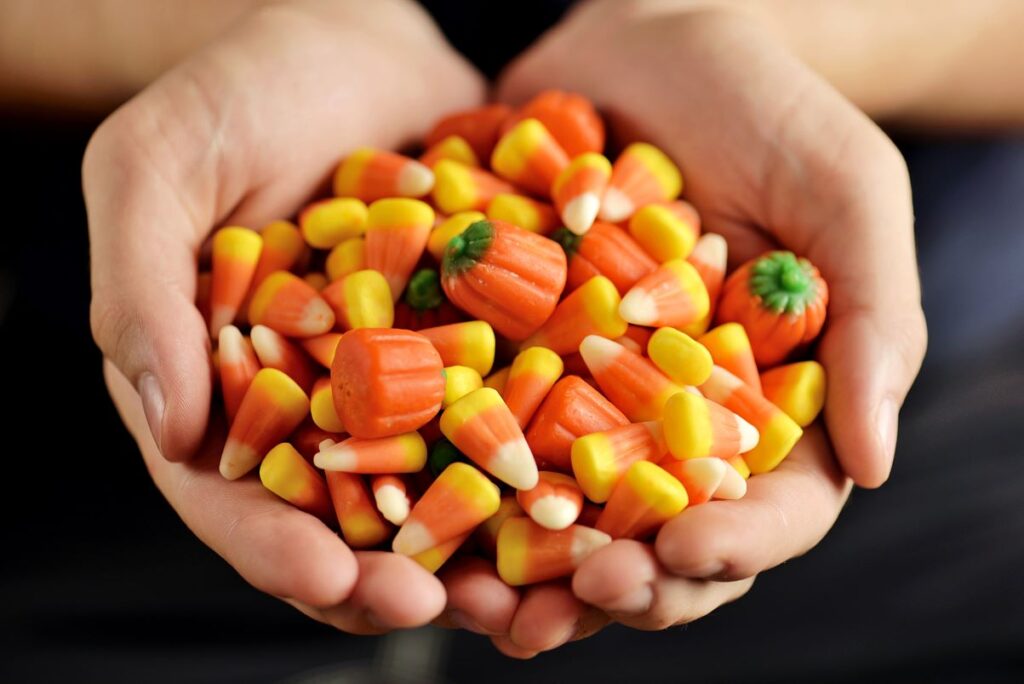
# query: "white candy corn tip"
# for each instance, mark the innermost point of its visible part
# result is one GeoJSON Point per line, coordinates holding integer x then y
{"type": "Point", "coordinates": [267, 345]}
{"type": "Point", "coordinates": [335, 457]}
{"type": "Point", "coordinates": [229, 345]}
{"type": "Point", "coordinates": [638, 307]}
{"type": "Point", "coordinates": [325, 444]}
{"type": "Point", "coordinates": [237, 459]}
{"type": "Point", "coordinates": [616, 205]}
{"type": "Point", "coordinates": [413, 537]}
{"type": "Point", "coordinates": [415, 180]}
{"type": "Point", "coordinates": [393, 504]}
{"type": "Point", "coordinates": [554, 512]}
{"type": "Point", "coordinates": [732, 486]}
{"type": "Point", "coordinates": [749, 436]}
{"type": "Point", "coordinates": [586, 540]}
{"type": "Point", "coordinates": [317, 318]}
{"type": "Point", "coordinates": [514, 465]}
{"type": "Point", "coordinates": [599, 352]}
{"type": "Point", "coordinates": [711, 249]}
{"type": "Point", "coordinates": [580, 212]}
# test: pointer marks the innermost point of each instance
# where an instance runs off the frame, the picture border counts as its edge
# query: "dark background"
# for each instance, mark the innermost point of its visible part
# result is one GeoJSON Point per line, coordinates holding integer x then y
{"type": "Point", "coordinates": [922, 580]}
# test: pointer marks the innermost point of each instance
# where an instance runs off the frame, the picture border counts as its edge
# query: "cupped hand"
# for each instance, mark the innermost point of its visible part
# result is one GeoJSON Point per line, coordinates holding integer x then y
{"type": "Point", "coordinates": [243, 132]}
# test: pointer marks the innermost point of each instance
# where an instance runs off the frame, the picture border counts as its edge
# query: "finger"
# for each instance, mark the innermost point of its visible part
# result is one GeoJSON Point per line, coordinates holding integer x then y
{"type": "Point", "coordinates": [478, 600]}
{"type": "Point", "coordinates": [548, 616]}
{"type": "Point", "coordinates": [784, 514]}
{"type": "Point", "coordinates": [626, 580]}
{"type": "Point", "coordinates": [508, 647]}
{"type": "Point", "coordinates": [275, 547]}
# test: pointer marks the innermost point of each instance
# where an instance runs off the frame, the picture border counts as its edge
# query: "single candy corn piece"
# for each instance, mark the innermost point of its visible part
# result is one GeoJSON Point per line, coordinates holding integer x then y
{"type": "Point", "coordinates": [272, 407]}
{"type": "Point", "coordinates": [698, 428]}
{"type": "Point", "coordinates": [328, 223]}
{"type": "Point", "coordinates": [361, 300]}
{"type": "Point", "coordinates": [554, 503]}
{"type": "Point", "coordinates": [706, 479]}
{"type": "Point", "coordinates": [631, 382]}
{"type": "Point", "coordinates": [308, 437]}
{"type": "Point", "coordinates": [578, 189]}
{"type": "Point", "coordinates": [605, 250]}
{"type": "Point", "coordinates": [730, 349]}
{"type": "Point", "coordinates": [283, 246]}
{"type": "Point", "coordinates": [347, 257]}
{"type": "Point", "coordinates": [684, 360]}
{"type": "Point", "coordinates": [431, 560]}
{"type": "Point", "coordinates": [643, 500]}
{"type": "Point", "coordinates": [572, 409]}
{"type": "Point", "coordinates": [504, 275]}
{"type": "Point", "coordinates": [673, 295]}
{"type": "Point", "coordinates": [529, 553]}
{"type": "Point", "coordinates": [571, 118]}
{"type": "Point", "coordinates": [361, 524]}
{"type": "Point", "coordinates": [740, 466]}
{"type": "Point", "coordinates": [322, 347]}
{"type": "Point", "coordinates": [470, 344]}
{"type": "Point", "coordinates": [286, 473]}
{"type": "Point", "coordinates": [641, 175]}
{"type": "Point", "coordinates": [321, 407]}
{"type": "Point", "coordinates": [710, 258]}
{"type": "Point", "coordinates": [458, 382]}
{"type": "Point", "coordinates": [531, 376]}
{"type": "Point", "coordinates": [666, 230]}
{"type": "Point", "coordinates": [236, 252]}
{"type": "Point", "coordinates": [525, 212]}
{"type": "Point", "coordinates": [274, 351]}
{"type": "Point", "coordinates": [465, 188]}
{"type": "Point", "coordinates": [386, 382]}
{"type": "Point", "coordinates": [286, 303]}
{"type": "Point", "coordinates": [316, 280]}
{"type": "Point", "coordinates": [591, 309]}
{"type": "Point", "coordinates": [529, 156]}
{"type": "Point", "coordinates": [406, 453]}
{"type": "Point", "coordinates": [778, 432]}
{"type": "Point", "coordinates": [600, 459]}
{"type": "Point", "coordinates": [481, 426]}
{"type": "Point", "coordinates": [480, 127]}
{"type": "Point", "coordinates": [370, 175]}
{"type": "Point", "coordinates": [442, 454]}
{"type": "Point", "coordinates": [498, 379]}
{"type": "Point", "coordinates": [238, 366]}
{"type": "Point", "coordinates": [487, 533]}
{"type": "Point", "coordinates": [453, 147]}
{"type": "Point", "coordinates": [796, 388]}
{"type": "Point", "coordinates": [636, 339]}
{"type": "Point", "coordinates": [392, 495]}
{"type": "Point", "coordinates": [396, 235]}
{"type": "Point", "coordinates": [458, 500]}
{"type": "Point", "coordinates": [449, 228]}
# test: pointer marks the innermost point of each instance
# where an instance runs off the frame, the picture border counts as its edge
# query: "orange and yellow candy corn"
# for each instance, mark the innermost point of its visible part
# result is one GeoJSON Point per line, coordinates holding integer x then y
{"type": "Point", "coordinates": [321, 407]}
{"type": "Point", "coordinates": [236, 252]}
{"type": "Point", "coordinates": [469, 344]}
{"type": "Point", "coordinates": [529, 553]}
{"type": "Point", "coordinates": [287, 304]}
{"type": "Point", "coordinates": [391, 494]}
{"type": "Point", "coordinates": [644, 499]}
{"type": "Point", "coordinates": [698, 428]}
{"type": "Point", "coordinates": [578, 189]}
{"type": "Point", "coordinates": [591, 309]}
{"type": "Point", "coordinates": [274, 351]}
{"type": "Point", "coordinates": [525, 212]}
{"type": "Point", "coordinates": [465, 188]}
{"type": "Point", "coordinates": [282, 247]}
{"type": "Point", "coordinates": [361, 300]}
{"type": "Point", "coordinates": [406, 453]}
{"type": "Point", "coordinates": [571, 118]}
{"type": "Point", "coordinates": [796, 388]}
{"type": "Point", "coordinates": [497, 379]}
{"type": "Point", "coordinates": [361, 525]}
{"type": "Point", "coordinates": [554, 503]}
{"type": "Point", "coordinates": [449, 228]}
{"type": "Point", "coordinates": [458, 382]}
{"type": "Point", "coordinates": [238, 366]}
{"type": "Point", "coordinates": [641, 175]}
{"type": "Point", "coordinates": [487, 533]}
{"type": "Point", "coordinates": [322, 347]}
{"type": "Point", "coordinates": [307, 439]}
{"type": "Point", "coordinates": [684, 360]}
{"type": "Point", "coordinates": [605, 250]}
{"type": "Point", "coordinates": [453, 147]}
{"type": "Point", "coordinates": [706, 479]}
{"type": "Point", "coordinates": [347, 257]}
{"type": "Point", "coordinates": [710, 258]}
{"type": "Point", "coordinates": [673, 295]}
{"type": "Point", "coordinates": [480, 127]}
{"type": "Point", "coordinates": [730, 349]}
{"type": "Point", "coordinates": [529, 156]}
{"type": "Point", "coordinates": [531, 376]}
{"type": "Point", "coordinates": [370, 175]}
{"type": "Point", "coordinates": [396, 235]}
{"type": "Point", "coordinates": [328, 223]}
{"type": "Point", "coordinates": [629, 380]}
{"type": "Point", "coordinates": [431, 560]}
{"type": "Point", "coordinates": [666, 230]}
{"type": "Point", "coordinates": [481, 426]}
{"type": "Point", "coordinates": [458, 500]}
{"type": "Point", "coordinates": [272, 407]}
{"type": "Point", "coordinates": [600, 459]}
{"type": "Point", "coordinates": [316, 280]}
{"type": "Point", "coordinates": [286, 473]}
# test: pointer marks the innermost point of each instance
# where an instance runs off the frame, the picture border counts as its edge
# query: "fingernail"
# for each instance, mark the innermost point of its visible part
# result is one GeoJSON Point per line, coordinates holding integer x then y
{"type": "Point", "coordinates": [152, 404]}
{"type": "Point", "coordinates": [467, 623]}
{"type": "Point", "coordinates": [633, 603]}
{"type": "Point", "coordinates": [887, 419]}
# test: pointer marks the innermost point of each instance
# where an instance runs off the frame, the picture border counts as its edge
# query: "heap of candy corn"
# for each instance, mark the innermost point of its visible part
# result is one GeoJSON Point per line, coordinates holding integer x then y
{"type": "Point", "coordinates": [507, 347]}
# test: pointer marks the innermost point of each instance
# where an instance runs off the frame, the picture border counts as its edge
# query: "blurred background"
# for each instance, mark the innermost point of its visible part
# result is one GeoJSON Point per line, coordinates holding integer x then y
{"type": "Point", "coordinates": [922, 580]}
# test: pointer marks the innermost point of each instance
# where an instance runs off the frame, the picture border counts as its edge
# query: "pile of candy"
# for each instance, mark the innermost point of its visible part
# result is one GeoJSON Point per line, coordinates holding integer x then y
{"type": "Point", "coordinates": [617, 408]}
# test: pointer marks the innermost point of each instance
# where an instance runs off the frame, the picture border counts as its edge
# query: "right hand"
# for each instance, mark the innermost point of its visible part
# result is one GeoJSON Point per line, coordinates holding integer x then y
{"type": "Point", "coordinates": [242, 133]}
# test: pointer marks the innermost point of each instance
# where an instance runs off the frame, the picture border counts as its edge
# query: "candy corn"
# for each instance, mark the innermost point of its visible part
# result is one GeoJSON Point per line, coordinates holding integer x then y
{"type": "Point", "coordinates": [469, 344]}
{"type": "Point", "coordinates": [529, 156]}
{"type": "Point", "coordinates": [328, 223]}
{"type": "Point", "coordinates": [740, 466]}
{"type": "Point", "coordinates": [396, 235]}
{"type": "Point", "coordinates": [274, 351]}
{"type": "Point", "coordinates": [458, 500]}
{"type": "Point", "coordinates": [449, 228]}
{"type": "Point", "coordinates": [797, 388]}
{"type": "Point", "coordinates": [497, 379]}
{"type": "Point", "coordinates": [645, 498]}
{"type": "Point", "coordinates": [286, 473]}
{"type": "Point", "coordinates": [591, 309]}
{"type": "Point", "coordinates": [684, 360]}
{"type": "Point", "coordinates": [673, 295]}
{"type": "Point", "coordinates": [483, 428]}
{"type": "Point", "coordinates": [361, 300]}
{"type": "Point", "coordinates": [629, 380]}
{"type": "Point", "coordinates": [238, 366]}
{"type": "Point", "coordinates": [666, 230]}
{"type": "Point", "coordinates": [282, 247]}
{"type": "Point", "coordinates": [369, 175]}
{"type": "Point", "coordinates": [778, 432]}
{"type": "Point", "coordinates": [487, 533]}
{"type": "Point", "coordinates": [730, 349]}
{"type": "Point", "coordinates": [236, 252]}
{"type": "Point", "coordinates": [272, 407]}
{"type": "Point", "coordinates": [361, 525]}
{"type": "Point", "coordinates": [465, 188]}
{"type": "Point", "coordinates": [321, 407]}
{"type": "Point", "coordinates": [641, 175]}
{"type": "Point", "coordinates": [529, 553]}
{"type": "Point", "coordinates": [406, 453]}
{"type": "Point", "coordinates": [578, 189]}
{"type": "Point", "coordinates": [698, 428]}
{"type": "Point", "coordinates": [600, 459]}
{"type": "Point", "coordinates": [322, 347]}
{"type": "Point", "coordinates": [391, 494]}
{"type": "Point", "coordinates": [347, 257]}
{"type": "Point", "coordinates": [453, 147]}
{"type": "Point", "coordinates": [458, 382]}
{"type": "Point", "coordinates": [431, 560]}
{"type": "Point", "coordinates": [554, 503]}
{"type": "Point", "coordinates": [386, 382]}
{"type": "Point", "coordinates": [605, 250]}
{"type": "Point", "coordinates": [316, 280]}
{"type": "Point", "coordinates": [706, 479]}
{"type": "Point", "coordinates": [709, 257]}
{"type": "Point", "coordinates": [531, 376]}
{"type": "Point", "coordinates": [572, 409]}
{"type": "Point", "coordinates": [480, 127]}
{"type": "Point", "coordinates": [287, 304]}
{"type": "Point", "coordinates": [307, 439]}
{"type": "Point", "coordinates": [525, 212]}
{"type": "Point", "coordinates": [571, 119]}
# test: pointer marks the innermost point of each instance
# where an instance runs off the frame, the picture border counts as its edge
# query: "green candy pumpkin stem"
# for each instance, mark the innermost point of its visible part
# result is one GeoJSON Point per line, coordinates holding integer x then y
{"type": "Point", "coordinates": [783, 282]}
{"type": "Point", "coordinates": [424, 290]}
{"type": "Point", "coordinates": [570, 241]}
{"type": "Point", "coordinates": [467, 248]}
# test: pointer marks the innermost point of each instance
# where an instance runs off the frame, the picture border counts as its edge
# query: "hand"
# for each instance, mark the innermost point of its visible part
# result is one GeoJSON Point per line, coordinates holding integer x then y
{"type": "Point", "coordinates": [242, 133]}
